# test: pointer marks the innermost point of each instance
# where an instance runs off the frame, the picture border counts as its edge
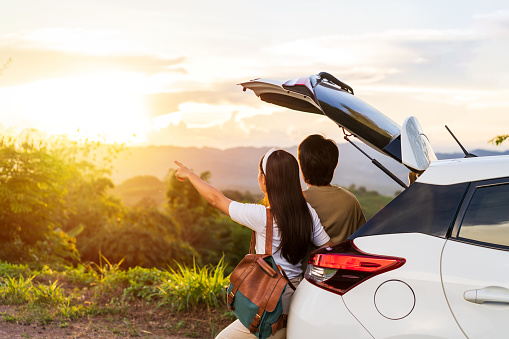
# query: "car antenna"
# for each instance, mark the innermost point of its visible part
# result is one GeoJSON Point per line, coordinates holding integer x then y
{"type": "Point", "coordinates": [467, 155]}
{"type": "Point", "coordinates": [375, 162]}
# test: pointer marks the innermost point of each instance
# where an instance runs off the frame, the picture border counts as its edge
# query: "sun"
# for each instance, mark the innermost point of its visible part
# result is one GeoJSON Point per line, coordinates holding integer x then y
{"type": "Point", "coordinates": [104, 106]}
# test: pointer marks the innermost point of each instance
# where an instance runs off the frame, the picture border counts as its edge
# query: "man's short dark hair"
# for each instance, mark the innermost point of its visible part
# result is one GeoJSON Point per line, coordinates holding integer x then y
{"type": "Point", "coordinates": [318, 158]}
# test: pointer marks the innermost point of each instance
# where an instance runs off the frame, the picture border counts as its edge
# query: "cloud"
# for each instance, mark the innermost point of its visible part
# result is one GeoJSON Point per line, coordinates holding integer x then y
{"type": "Point", "coordinates": [63, 52]}
{"type": "Point", "coordinates": [494, 24]}
{"type": "Point", "coordinates": [281, 128]}
{"type": "Point", "coordinates": [75, 40]}
{"type": "Point", "coordinates": [29, 65]}
{"type": "Point", "coordinates": [374, 56]}
{"type": "Point", "coordinates": [215, 93]}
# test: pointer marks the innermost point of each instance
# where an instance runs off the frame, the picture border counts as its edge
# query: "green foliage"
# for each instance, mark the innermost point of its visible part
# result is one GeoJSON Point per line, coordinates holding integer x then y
{"type": "Point", "coordinates": [371, 201]}
{"type": "Point", "coordinates": [194, 217]}
{"type": "Point", "coordinates": [190, 287]}
{"type": "Point", "coordinates": [144, 237]}
{"type": "Point", "coordinates": [58, 249]}
{"type": "Point", "coordinates": [21, 290]}
{"type": "Point", "coordinates": [50, 192]}
{"type": "Point", "coordinates": [14, 270]}
{"type": "Point", "coordinates": [246, 197]}
{"type": "Point", "coordinates": [16, 291]}
{"type": "Point", "coordinates": [232, 243]}
{"type": "Point", "coordinates": [143, 282]}
{"type": "Point", "coordinates": [56, 210]}
{"type": "Point", "coordinates": [31, 197]}
{"type": "Point", "coordinates": [48, 294]}
{"type": "Point", "coordinates": [499, 139]}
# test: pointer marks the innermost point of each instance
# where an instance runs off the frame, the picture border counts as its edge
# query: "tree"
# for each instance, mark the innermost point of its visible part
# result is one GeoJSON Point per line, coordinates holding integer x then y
{"type": "Point", "coordinates": [31, 201]}
{"type": "Point", "coordinates": [212, 234]}
{"type": "Point", "coordinates": [4, 66]}
{"type": "Point", "coordinates": [51, 192]}
{"type": "Point", "coordinates": [194, 217]}
{"type": "Point", "coordinates": [147, 238]}
{"type": "Point", "coordinates": [499, 139]}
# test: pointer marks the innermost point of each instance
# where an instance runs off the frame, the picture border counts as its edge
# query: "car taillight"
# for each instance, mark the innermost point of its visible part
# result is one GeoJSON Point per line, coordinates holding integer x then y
{"type": "Point", "coordinates": [341, 267]}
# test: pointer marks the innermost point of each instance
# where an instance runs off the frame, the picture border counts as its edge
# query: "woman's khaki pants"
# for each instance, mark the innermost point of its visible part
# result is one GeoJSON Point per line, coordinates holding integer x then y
{"type": "Point", "coordinates": [238, 331]}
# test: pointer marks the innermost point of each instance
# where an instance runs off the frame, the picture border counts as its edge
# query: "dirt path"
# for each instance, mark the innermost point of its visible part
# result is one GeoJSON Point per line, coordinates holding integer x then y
{"type": "Point", "coordinates": [81, 329]}
{"type": "Point", "coordinates": [139, 322]}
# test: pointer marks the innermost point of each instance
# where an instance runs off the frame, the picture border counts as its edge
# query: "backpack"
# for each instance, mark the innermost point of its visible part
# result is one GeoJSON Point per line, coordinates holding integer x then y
{"type": "Point", "coordinates": [256, 288]}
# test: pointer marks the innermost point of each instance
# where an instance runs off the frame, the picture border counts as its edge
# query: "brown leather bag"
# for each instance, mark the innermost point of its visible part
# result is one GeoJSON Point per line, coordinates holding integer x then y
{"type": "Point", "coordinates": [261, 284]}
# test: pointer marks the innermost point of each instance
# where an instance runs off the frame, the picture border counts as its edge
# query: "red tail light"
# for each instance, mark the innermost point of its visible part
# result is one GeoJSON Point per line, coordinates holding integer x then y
{"type": "Point", "coordinates": [343, 266]}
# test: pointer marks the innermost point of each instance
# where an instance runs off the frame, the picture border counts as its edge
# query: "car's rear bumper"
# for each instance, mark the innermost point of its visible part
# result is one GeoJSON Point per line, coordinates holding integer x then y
{"type": "Point", "coordinates": [316, 313]}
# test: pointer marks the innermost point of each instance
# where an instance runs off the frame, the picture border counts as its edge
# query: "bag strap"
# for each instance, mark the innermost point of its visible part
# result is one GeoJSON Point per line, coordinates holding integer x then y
{"type": "Point", "coordinates": [286, 277]}
{"type": "Point", "coordinates": [269, 233]}
{"type": "Point", "coordinates": [268, 243]}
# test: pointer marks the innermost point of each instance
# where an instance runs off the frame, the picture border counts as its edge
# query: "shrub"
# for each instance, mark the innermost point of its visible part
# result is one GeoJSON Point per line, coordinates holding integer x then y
{"type": "Point", "coordinates": [143, 282]}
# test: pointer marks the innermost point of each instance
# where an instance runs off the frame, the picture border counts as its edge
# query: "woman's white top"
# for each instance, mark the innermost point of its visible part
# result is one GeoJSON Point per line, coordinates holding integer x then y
{"type": "Point", "coordinates": [255, 217]}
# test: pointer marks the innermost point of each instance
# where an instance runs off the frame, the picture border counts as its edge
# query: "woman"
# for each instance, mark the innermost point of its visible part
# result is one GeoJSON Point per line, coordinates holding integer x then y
{"type": "Point", "coordinates": [296, 224]}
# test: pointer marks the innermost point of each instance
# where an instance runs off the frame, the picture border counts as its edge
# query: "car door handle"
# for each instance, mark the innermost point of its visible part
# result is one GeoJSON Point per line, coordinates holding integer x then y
{"type": "Point", "coordinates": [490, 294]}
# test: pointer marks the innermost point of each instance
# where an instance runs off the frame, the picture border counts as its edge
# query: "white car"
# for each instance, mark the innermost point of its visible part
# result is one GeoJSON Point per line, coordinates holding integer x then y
{"type": "Point", "coordinates": [434, 263]}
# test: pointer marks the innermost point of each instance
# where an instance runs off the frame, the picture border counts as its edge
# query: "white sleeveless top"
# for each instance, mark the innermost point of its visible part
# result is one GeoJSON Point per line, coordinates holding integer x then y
{"type": "Point", "coordinates": [255, 217]}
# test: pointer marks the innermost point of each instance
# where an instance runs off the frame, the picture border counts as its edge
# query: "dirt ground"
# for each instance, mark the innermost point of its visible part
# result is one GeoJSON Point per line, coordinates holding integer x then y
{"type": "Point", "coordinates": [79, 329]}
{"type": "Point", "coordinates": [138, 322]}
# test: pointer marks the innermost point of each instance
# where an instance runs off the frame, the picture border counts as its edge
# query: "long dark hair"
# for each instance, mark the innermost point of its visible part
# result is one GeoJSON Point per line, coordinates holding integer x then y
{"type": "Point", "coordinates": [288, 205]}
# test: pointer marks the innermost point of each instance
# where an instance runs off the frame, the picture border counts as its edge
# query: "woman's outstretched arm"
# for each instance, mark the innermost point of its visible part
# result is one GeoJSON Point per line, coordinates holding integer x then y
{"type": "Point", "coordinates": [208, 192]}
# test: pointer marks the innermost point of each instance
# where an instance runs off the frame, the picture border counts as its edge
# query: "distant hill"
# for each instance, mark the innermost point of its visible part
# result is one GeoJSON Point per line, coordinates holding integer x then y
{"type": "Point", "coordinates": [141, 187]}
{"type": "Point", "coordinates": [237, 168]}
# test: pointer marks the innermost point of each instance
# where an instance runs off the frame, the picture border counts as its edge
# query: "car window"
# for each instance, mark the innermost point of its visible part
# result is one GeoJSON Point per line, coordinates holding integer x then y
{"type": "Point", "coordinates": [421, 208]}
{"type": "Point", "coordinates": [487, 217]}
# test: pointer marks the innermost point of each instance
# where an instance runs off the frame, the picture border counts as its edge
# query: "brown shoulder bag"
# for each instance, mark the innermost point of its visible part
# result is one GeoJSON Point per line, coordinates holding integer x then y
{"type": "Point", "coordinates": [256, 288]}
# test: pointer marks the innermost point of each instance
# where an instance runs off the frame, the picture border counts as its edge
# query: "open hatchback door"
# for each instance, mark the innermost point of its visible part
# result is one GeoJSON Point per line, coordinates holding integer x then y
{"type": "Point", "coordinates": [324, 94]}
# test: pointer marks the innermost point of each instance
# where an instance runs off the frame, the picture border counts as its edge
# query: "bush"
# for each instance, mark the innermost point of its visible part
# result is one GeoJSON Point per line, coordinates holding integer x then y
{"type": "Point", "coordinates": [143, 282]}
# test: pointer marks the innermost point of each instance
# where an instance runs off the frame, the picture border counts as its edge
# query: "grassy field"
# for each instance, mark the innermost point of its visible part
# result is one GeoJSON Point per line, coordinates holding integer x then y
{"type": "Point", "coordinates": [105, 301]}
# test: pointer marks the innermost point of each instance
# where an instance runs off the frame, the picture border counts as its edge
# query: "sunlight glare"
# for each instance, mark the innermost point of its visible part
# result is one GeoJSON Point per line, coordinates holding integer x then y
{"type": "Point", "coordinates": [105, 106]}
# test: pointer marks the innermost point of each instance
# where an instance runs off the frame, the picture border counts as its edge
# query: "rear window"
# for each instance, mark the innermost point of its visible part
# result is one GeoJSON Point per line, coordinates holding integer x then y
{"type": "Point", "coordinates": [421, 208]}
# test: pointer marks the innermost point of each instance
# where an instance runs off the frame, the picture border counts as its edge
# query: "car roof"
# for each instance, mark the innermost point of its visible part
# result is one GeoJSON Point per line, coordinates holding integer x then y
{"type": "Point", "coordinates": [453, 171]}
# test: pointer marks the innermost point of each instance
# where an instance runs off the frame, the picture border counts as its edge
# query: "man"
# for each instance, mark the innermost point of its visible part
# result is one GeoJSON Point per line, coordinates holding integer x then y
{"type": "Point", "coordinates": [338, 209]}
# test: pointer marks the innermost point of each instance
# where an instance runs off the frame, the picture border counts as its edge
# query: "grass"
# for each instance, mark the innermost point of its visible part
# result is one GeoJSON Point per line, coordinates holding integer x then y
{"type": "Point", "coordinates": [190, 287]}
{"type": "Point", "coordinates": [60, 297]}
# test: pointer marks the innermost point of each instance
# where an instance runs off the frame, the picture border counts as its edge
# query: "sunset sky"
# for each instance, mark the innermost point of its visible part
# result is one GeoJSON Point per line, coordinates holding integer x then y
{"type": "Point", "coordinates": [166, 72]}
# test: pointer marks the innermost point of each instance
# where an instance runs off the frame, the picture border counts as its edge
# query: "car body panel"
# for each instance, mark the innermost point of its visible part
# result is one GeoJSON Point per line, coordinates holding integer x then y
{"type": "Point", "coordinates": [475, 261]}
{"type": "Point", "coordinates": [431, 316]}
{"type": "Point", "coordinates": [468, 267]}
{"type": "Point", "coordinates": [305, 322]}
{"type": "Point", "coordinates": [453, 171]}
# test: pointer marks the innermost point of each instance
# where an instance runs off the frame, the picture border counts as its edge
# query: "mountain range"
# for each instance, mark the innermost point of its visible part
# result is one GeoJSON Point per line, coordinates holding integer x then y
{"type": "Point", "coordinates": [237, 168]}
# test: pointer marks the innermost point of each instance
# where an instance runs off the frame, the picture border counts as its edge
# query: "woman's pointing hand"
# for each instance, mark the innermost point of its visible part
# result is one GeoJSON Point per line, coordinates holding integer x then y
{"type": "Point", "coordinates": [182, 173]}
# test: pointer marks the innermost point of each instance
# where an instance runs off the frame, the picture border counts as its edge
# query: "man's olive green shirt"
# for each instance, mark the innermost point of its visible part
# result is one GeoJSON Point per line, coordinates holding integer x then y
{"type": "Point", "coordinates": [338, 209]}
